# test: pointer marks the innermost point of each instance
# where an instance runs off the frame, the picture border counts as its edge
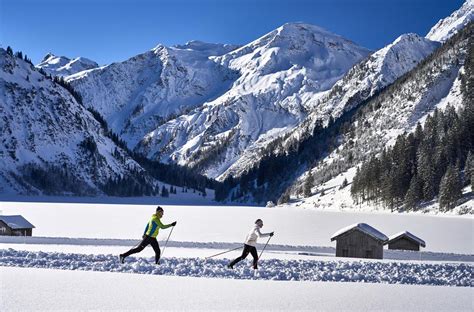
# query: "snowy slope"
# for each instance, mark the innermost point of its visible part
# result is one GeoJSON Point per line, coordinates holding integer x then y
{"type": "Point", "coordinates": [362, 81]}
{"type": "Point", "coordinates": [277, 74]}
{"type": "Point", "coordinates": [44, 129]}
{"type": "Point", "coordinates": [375, 73]}
{"type": "Point", "coordinates": [434, 84]}
{"type": "Point", "coordinates": [63, 66]}
{"type": "Point", "coordinates": [141, 93]}
{"type": "Point", "coordinates": [447, 27]}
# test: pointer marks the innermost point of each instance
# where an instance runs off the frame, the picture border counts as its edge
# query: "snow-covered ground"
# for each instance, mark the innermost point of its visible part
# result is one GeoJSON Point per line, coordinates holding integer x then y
{"type": "Point", "coordinates": [330, 196]}
{"type": "Point", "coordinates": [298, 270]}
{"type": "Point", "coordinates": [293, 225]}
{"type": "Point", "coordinates": [98, 291]}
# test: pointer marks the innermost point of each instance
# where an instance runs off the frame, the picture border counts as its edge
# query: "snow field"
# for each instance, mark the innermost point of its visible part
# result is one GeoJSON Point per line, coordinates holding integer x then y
{"type": "Point", "coordinates": [293, 226]}
{"type": "Point", "coordinates": [74, 253]}
{"type": "Point", "coordinates": [81, 290]}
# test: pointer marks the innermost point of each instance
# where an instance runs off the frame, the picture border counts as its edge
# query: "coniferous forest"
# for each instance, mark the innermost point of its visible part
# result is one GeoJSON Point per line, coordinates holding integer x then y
{"type": "Point", "coordinates": [436, 160]}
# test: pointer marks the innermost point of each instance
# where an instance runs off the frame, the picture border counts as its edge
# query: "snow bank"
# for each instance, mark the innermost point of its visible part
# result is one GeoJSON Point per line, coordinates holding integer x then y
{"type": "Point", "coordinates": [446, 274]}
{"type": "Point", "coordinates": [205, 249]}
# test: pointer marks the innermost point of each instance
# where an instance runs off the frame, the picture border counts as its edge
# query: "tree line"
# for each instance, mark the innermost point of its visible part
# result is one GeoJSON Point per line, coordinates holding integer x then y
{"type": "Point", "coordinates": [19, 55]}
{"type": "Point", "coordinates": [168, 173]}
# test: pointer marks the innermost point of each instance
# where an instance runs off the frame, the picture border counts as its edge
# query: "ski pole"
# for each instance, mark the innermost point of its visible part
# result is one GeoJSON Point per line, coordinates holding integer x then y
{"type": "Point", "coordinates": [166, 243]}
{"type": "Point", "coordinates": [222, 253]}
{"type": "Point", "coordinates": [264, 248]}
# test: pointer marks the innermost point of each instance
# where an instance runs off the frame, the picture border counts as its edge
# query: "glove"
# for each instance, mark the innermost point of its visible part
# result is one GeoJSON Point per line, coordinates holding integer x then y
{"type": "Point", "coordinates": [143, 236]}
{"type": "Point", "coordinates": [174, 223]}
{"type": "Point", "coordinates": [272, 233]}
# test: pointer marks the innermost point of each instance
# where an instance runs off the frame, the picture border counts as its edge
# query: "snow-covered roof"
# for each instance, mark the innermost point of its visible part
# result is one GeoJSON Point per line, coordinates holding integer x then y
{"type": "Point", "coordinates": [407, 235]}
{"type": "Point", "coordinates": [16, 222]}
{"type": "Point", "coordinates": [364, 228]}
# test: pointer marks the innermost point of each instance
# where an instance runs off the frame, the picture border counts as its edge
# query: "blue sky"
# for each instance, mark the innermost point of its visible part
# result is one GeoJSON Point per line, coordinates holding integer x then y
{"type": "Point", "coordinates": [114, 30]}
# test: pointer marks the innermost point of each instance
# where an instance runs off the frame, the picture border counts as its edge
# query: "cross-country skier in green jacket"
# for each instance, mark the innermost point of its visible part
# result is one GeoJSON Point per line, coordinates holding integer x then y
{"type": "Point", "coordinates": [149, 237]}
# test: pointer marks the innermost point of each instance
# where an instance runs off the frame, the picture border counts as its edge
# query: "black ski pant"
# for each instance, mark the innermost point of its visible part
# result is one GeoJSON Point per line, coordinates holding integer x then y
{"type": "Point", "coordinates": [147, 240]}
{"type": "Point", "coordinates": [247, 249]}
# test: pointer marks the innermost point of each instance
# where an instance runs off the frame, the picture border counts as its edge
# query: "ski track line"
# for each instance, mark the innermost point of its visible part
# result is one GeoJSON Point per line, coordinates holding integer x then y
{"type": "Point", "coordinates": [446, 274]}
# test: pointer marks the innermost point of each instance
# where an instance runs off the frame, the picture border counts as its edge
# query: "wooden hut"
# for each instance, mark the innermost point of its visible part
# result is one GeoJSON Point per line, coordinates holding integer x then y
{"type": "Point", "coordinates": [405, 241]}
{"type": "Point", "coordinates": [359, 241]}
{"type": "Point", "coordinates": [15, 226]}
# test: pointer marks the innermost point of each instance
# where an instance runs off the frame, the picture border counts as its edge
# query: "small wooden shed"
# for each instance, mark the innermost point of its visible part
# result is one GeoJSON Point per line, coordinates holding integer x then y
{"type": "Point", "coordinates": [359, 240]}
{"type": "Point", "coordinates": [405, 241]}
{"type": "Point", "coordinates": [15, 226]}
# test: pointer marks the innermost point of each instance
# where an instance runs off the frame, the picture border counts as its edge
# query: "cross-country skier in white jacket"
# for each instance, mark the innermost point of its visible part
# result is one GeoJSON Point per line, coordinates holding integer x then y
{"type": "Point", "coordinates": [251, 243]}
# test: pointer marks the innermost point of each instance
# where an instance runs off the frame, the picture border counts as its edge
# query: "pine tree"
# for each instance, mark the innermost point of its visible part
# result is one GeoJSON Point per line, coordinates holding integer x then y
{"type": "Point", "coordinates": [26, 59]}
{"type": "Point", "coordinates": [469, 170]}
{"type": "Point", "coordinates": [308, 184]}
{"type": "Point", "coordinates": [414, 194]}
{"type": "Point", "coordinates": [472, 177]}
{"type": "Point", "coordinates": [284, 198]}
{"type": "Point", "coordinates": [355, 187]}
{"type": "Point", "coordinates": [427, 173]}
{"type": "Point", "coordinates": [9, 51]}
{"type": "Point", "coordinates": [344, 183]}
{"type": "Point", "coordinates": [450, 189]}
{"type": "Point", "coordinates": [164, 192]}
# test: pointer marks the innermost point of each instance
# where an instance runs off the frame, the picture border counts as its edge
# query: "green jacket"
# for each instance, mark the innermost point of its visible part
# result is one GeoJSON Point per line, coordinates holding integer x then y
{"type": "Point", "coordinates": [154, 225]}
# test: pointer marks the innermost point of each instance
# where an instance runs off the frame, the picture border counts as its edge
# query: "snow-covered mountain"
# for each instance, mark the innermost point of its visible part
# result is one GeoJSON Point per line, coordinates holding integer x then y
{"type": "Point", "coordinates": [361, 82]}
{"type": "Point", "coordinates": [291, 154]}
{"type": "Point", "coordinates": [143, 92]}
{"type": "Point", "coordinates": [375, 73]}
{"type": "Point", "coordinates": [450, 25]}
{"type": "Point", "coordinates": [220, 109]}
{"type": "Point", "coordinates": [274, 76]}
{"type": "Point", "coordinates": [50, 142]}
{"type": "Point", "coordinates": [434, 83]}
{"type": "Point", "coordinates": [207, 47]}
{"type": "Point", "coordinates": [63, 66]}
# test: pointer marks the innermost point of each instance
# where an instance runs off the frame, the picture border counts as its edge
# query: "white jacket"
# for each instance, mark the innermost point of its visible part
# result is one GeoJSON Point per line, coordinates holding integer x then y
{"type": "Point", "coordinates": [252, 236]}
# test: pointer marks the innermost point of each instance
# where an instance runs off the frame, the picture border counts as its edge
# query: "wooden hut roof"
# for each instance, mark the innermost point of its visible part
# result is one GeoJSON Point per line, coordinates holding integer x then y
{"type": "Point", "coordinates": [16, 222]}
{"type": "Point", "coordinates": [407, 235]}
{"type": "Point", "coordinates": [362, 227]}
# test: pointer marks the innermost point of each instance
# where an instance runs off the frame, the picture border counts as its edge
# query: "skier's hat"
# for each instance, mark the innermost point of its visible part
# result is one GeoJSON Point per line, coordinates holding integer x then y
{"type": "Point", "coordinates": [258, 220]}
{"type": "Point", "coordinates": [159, 209]}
